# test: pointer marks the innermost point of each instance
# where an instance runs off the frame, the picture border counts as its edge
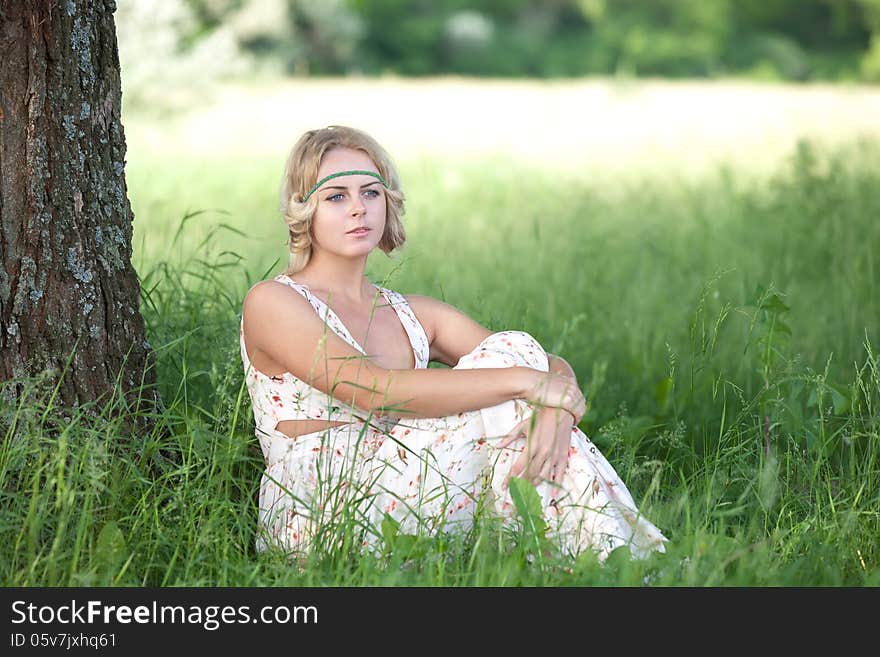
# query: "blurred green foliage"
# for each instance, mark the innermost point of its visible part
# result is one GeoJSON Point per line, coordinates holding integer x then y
{"type": "Point", "coordinates": [769, 39]}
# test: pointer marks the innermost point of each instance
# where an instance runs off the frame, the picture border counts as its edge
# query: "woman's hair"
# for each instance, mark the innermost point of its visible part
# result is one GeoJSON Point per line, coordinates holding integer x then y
{"type": "Point", "coordinates": [301, 174]}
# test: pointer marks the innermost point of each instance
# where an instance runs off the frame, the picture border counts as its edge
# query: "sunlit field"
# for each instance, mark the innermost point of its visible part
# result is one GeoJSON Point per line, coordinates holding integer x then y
{"type": "Point", "coordinates": [703, 255]}
{"type": "Point", "coordinates": [223, 155]}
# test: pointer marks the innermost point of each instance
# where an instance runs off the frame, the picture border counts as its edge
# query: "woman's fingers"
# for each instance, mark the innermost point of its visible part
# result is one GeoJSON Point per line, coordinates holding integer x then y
{"type": "Point", "coordinates": [557, 459]}
{"type": "Point", "coordinates": [528, 465]}
{"type": "Point", "coordinates": [544, 454]}
{"type": "Point", "coordinates": [516, 470]}
{"type": "Point", "coordinates": [553, 467]}
{"type": "Point", "coordinates": [542, 464]}
{"type": "Point", "coordinates": [518, 431]}
{"type": "Point", "coordinates": [560, 462]}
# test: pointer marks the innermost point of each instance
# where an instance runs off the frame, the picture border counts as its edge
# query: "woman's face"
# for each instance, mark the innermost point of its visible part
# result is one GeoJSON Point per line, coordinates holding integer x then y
{"type": "Point", "coordinates": [348, 203]}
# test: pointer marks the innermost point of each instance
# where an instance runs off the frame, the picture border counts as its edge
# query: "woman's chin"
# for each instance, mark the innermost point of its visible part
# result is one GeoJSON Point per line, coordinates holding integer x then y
{"type": "Point", "coordinates": [359, 251]}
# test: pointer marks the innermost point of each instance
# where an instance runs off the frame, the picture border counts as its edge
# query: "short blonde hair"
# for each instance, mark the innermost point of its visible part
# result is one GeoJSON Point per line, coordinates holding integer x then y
{"type": "Point", "coordinates": [301, 174]}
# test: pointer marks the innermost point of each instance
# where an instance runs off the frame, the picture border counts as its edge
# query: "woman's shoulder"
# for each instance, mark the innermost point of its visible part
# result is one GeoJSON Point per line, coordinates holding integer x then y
{"type": "Point", "coordinates": [262, 295]}
{"type": "Point", "coordinates": [280, 281]}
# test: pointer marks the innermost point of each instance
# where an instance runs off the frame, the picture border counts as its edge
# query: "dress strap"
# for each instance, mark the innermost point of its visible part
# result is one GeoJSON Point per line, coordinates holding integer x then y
{"type": "Point", "coordinates": [411, 324]}
{"type": "Point", "coordinates": [414, 330]}
{"type": "Point", "coordinates": [299, 287]}
{"type": "Point", "coordinates": [325, 312]}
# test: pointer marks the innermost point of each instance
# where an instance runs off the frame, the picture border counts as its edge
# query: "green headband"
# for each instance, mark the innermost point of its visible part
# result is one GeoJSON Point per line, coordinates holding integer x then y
{"type": "Point", "coordinates": [343, 173]}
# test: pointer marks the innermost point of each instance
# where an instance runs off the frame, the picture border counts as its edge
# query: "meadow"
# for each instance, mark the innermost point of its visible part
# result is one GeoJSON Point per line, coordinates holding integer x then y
{"type": "Point", "coordinates": [723, 322]}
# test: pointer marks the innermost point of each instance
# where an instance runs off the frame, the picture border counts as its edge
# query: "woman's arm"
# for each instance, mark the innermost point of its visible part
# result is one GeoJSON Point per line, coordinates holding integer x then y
{"type": "Point", "coordinates": [283, 325]}
{"type": "Point", "coordinates": [549, 436]}
{"type": "Point", "coordinates": [451, 333]}
{"type": "Point", "coordinates": [560, 366]}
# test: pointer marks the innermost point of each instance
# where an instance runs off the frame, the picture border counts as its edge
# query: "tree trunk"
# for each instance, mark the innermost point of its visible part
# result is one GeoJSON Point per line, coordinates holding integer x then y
{"type": "Point", "coordinates": [68, 290]}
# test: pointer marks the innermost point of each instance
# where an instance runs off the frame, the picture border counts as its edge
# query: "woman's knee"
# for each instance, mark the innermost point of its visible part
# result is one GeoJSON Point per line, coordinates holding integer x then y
{"type": "Point", "coordinates": [509, 348]}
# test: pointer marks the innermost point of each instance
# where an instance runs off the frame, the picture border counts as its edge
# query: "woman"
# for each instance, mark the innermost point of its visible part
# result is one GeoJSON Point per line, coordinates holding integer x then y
{"type": "Point", "coordinates": [353, 425]}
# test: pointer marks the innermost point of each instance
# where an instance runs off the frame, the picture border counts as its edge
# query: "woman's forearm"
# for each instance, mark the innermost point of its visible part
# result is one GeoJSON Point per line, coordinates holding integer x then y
{"type": "Point", "coordinates": [437, 392]}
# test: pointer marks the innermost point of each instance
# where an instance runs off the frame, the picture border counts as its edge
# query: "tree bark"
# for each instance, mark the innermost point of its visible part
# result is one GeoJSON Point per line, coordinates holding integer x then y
{"type": "Point", "coordinates": [68, 290]}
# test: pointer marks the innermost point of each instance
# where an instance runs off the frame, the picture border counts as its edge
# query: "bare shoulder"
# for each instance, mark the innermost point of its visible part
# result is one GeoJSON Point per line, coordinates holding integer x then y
{"type": "Point", "coordinates": [270, 297]}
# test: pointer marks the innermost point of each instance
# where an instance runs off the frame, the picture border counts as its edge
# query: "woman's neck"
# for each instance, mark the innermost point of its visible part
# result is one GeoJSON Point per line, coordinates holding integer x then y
{"type": "Point", "coordinates": [339, 278]}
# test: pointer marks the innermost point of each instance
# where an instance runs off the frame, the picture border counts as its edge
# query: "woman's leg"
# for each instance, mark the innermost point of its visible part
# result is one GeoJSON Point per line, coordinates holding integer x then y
{"type": "Point", "coordinates": [436, 470]}
{"type": "Point", "coordinates": [313, 487]}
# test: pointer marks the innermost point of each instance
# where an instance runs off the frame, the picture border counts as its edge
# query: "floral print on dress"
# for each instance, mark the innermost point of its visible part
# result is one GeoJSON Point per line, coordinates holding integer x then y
{"type": "Point", "coordinates": [427, 474]}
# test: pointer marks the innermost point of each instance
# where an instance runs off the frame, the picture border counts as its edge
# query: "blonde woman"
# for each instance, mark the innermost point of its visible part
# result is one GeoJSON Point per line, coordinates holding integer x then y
{"type": "Point", "coordinates": [353, 425]}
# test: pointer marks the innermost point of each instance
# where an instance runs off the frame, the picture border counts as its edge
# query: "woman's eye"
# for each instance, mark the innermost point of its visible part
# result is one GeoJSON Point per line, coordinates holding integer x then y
{"type": "Point", "coordinates": [372, 193]}
{"type": "Point", "coordinates": [334, 197]}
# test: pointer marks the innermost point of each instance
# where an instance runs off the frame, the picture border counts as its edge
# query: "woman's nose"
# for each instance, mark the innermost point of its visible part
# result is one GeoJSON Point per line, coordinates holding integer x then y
{"type": "Point", "coordinates": [357, 206]}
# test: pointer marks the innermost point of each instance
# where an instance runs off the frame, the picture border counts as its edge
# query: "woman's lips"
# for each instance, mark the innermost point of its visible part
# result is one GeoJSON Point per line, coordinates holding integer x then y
{"type": "Point", "coordinates": [358, 231]}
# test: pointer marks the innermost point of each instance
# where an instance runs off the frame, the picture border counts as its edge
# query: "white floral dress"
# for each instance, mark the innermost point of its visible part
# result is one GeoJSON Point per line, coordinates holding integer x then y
{"type": "Point", "coordinates": [428, 474]}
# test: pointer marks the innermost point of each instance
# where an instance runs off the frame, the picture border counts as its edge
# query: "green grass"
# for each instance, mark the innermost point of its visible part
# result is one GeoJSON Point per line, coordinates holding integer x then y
{"type": "Point", "coordinates": [724, 329]}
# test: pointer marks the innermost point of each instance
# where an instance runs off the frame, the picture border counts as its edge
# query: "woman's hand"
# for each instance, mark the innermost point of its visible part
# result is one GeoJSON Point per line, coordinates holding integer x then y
{"type": "Point", "coordinates": [554, 391]}
{"type": "Point", "coordinates": [544, 457]}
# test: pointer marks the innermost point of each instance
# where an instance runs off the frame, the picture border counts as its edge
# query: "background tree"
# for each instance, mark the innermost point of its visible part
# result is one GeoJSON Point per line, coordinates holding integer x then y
{"type": "Point", "coordinates": [799, 40]}
{"type": "Point", "coordinates": [69, 296]}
